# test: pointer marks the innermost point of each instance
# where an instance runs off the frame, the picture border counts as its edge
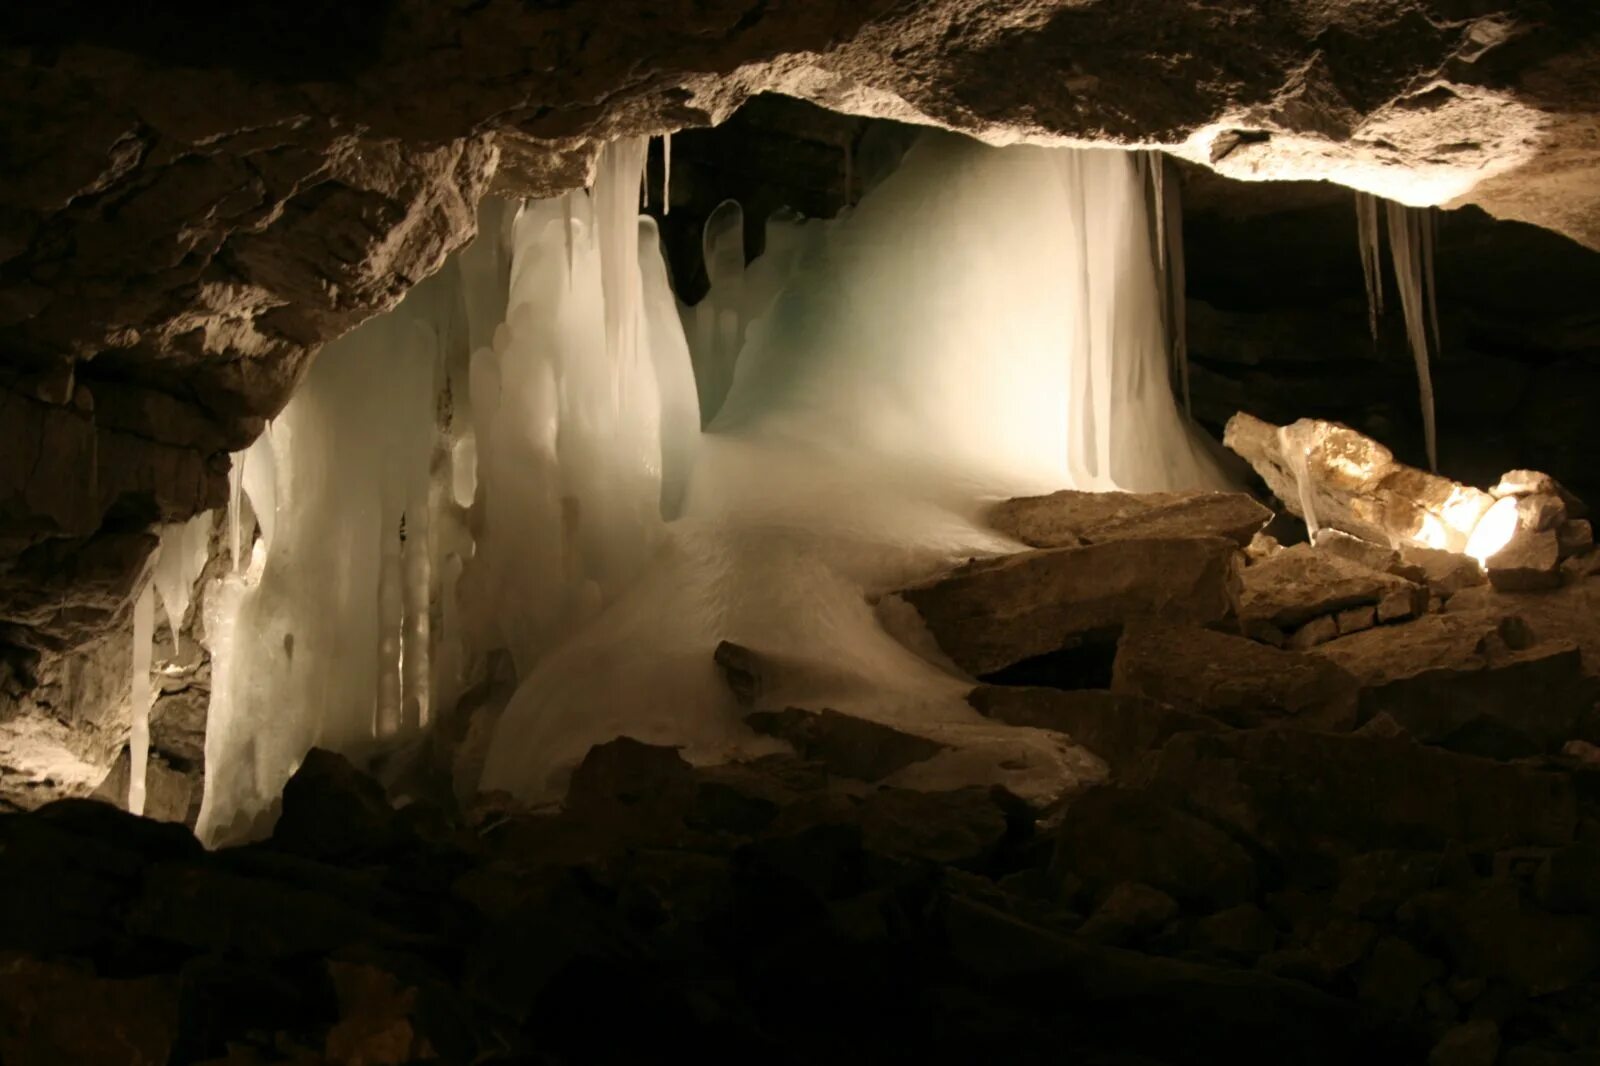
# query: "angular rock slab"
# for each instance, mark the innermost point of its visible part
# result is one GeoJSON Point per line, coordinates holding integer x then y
{"type": "Point", "coordinates": [1289, 588]}
{"type": "Point", "coordinates": [1118, 727]}
{"type": "Point", "coordinates": [992, 614]}
{"type": "Point", "coordinates": [1232, 679]}
{"type": "Point", "coordinates": [1294, 791]}
{"type": "Point", "coordinates": [1351, 482]}
{"type": "Point", "coordinates": [846, 745]}
{"type": "Point", "coordinates": [1469, 681]}
{"type": "Point", "coordinates": [1069, 517]}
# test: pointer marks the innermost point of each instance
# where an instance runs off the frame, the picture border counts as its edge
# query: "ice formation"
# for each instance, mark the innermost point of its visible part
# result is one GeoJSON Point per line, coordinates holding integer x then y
{"type": "Point", "coordinates": [144, 613]}
{"type": "Point", "coordinates": [1411, 248]}
{"type": "Point", "coordinates": [949, 341]}
{"type": "Point", "coordinates": [514, 460]}
{"type": "Point", "coordinates": [1368, 241]}
{"type": "Point", "coordinates": [1167, 202]}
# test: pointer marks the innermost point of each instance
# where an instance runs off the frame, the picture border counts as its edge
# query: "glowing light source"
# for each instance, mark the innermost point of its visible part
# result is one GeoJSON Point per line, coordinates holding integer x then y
{"type": "Point", "coordinates": [1494, 530]}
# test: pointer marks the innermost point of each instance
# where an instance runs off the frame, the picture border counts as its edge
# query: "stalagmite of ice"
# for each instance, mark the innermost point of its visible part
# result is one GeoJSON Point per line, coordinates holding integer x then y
{"type": "Point", "coordinates": [1411, 248]}
{"type": "Point", "coordinates": [945, 343]}
{"type": "Point", "coordinates": [144, 625]}
{"type": "Point", "coordinates": [1367, 239]}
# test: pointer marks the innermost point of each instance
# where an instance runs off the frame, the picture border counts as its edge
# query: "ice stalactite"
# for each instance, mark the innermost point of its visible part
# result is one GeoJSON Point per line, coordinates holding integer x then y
{"type": "Point", "coordinates": [582, 417]}
{"type": "Point", "coordinates": [1369, 242]}
{"type": "Point", "coordinates": [666, 174]}
{"type": "Point", "coordinates": [144, 613]}
{"type": "Point", "coordinates": [1411, 249]}
{"type": "Point", "coordinates": [1166, 198]}
{"type": "Point", "coordinates": [181, 556]}
{"type": "Point", "coordinates": [317, 641]}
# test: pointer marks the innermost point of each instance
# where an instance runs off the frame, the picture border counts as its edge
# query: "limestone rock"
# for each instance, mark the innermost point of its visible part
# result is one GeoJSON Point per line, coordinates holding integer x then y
{"type": "Point", "coordinates": [1353, 483]}
{"type": "Point", "coordinates": [1569, 879]}
{"type": "Point", "coordinates": [1526, 484]}
{"type": "Point", "coordinates": [1575, 537]}
{"type": "Point", "coordinates": [1475, 1043]}
{"type": "Point", "coordinates": [332, 809]}
{"type": "Point", "coordinates": [1395, 975]}
{"type": "Point", "coordinates": [1491, 932]}
{"type": "Point", "coordinates": [1069, 518]}
{"type": "Point", "coordinates": [1541, 511]}
{"type": "Point", "coordinates": [1445, 573]}
{"type": "Point", "coordinates": [1239, 933]}
{"type": "Point", "coordinates": [1113, 835]}
{"type": "Point", "coordinates": [1470, 681]}
{"type": "Point", "coordinates": [1530, 561]}
{"type": "Point", "coordinates": [1129, 911]}
{"type": "Point", "coordinates": [1232, 679]}
{"type": "Point", "coordinates": [846, 745]}
{"type": "Point", "coordinates": [1119, 727]}
{"type": "Point", "coordinates": [1301, 583]}
{"type": "Point", "coordinates": [1294, 791]}
{"type": "Point", "coordinates": [1358, 551]}
{"type": "Point", "coordinates": [53, 1012]}
{"type": "Point", "coordinates": [995, 613]}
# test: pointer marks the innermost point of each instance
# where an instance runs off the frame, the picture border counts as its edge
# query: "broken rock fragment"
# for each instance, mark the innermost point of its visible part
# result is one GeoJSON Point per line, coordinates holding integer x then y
{"type": "Point", "coordinates": [1474, 682]}
{"type": "Point", "coordinates": [1070, 517]}
{"type": "Point", "coordinates": [998, 612]}
{"type": "Point", "coordinates": [1232, 679]}
{"type": "Point", "coordinates": [1291, 588]}
{"type": "Point", "coordinates": [1531, 560]}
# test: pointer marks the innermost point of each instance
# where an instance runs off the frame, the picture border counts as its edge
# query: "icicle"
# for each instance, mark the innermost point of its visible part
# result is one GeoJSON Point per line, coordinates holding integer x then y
{"type": "Point", "coordinates": [1407, 247]}
{"type": "Point", "coordinates": [666, 174]}
{"type": "Point", "coordinates": [144, 624]}
{"type": "Point", "coordinates": [566, 228]}
{"type": "Point", "coordinates": [1176, 284]}
{"type": "Point", "coordinates": [181, 557]}
{"type": "Point", "coordinates": [1371, 257]}
{"type": "Point", "coordinates": [1428, 234]}
{"type": "Point", "coordinates": [235, 495]}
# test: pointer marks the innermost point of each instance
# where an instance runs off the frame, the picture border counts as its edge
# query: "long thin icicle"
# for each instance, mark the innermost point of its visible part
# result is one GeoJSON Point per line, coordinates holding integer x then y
{"type": "Point", "coordinates": [1371, 257]}
{"type": "Point", "coordinates": [1409, 239]}
{"type": "Point", "coordinates": [1176, 285]}
{"type": "Point", "coordinates": [666, 174]}
{"type": "Point", "coordinates": [144, 630]}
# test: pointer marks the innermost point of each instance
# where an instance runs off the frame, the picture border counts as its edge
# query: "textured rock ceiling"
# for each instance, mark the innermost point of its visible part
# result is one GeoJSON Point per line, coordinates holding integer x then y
{"type": "Point", "coordinates": [193, 197]}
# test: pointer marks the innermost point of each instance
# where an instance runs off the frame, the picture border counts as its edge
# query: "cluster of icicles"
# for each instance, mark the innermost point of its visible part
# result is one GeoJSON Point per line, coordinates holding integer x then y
{"type": "Point", "coordinates": [541, 453]}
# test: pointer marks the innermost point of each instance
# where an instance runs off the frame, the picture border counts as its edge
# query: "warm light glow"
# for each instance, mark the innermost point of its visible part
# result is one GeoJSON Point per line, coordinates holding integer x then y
{"type": "Point", "coordinates": [1494, 530]}
{"type": "Point", "coordinates": [1432, 533]}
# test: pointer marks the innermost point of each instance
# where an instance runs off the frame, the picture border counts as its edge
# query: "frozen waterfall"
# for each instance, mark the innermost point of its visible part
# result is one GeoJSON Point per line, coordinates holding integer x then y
{"type": "Point", "coordinates": [514, 460]}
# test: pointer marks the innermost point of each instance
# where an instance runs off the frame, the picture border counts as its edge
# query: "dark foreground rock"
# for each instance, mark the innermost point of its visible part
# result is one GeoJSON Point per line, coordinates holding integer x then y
{"type": "Point", "coordinates": [751, 912]}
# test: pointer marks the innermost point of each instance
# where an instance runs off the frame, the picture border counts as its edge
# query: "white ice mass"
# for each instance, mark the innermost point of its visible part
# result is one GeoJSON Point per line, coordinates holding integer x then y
{"type": "Point", "coordinates": [514, 459]}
